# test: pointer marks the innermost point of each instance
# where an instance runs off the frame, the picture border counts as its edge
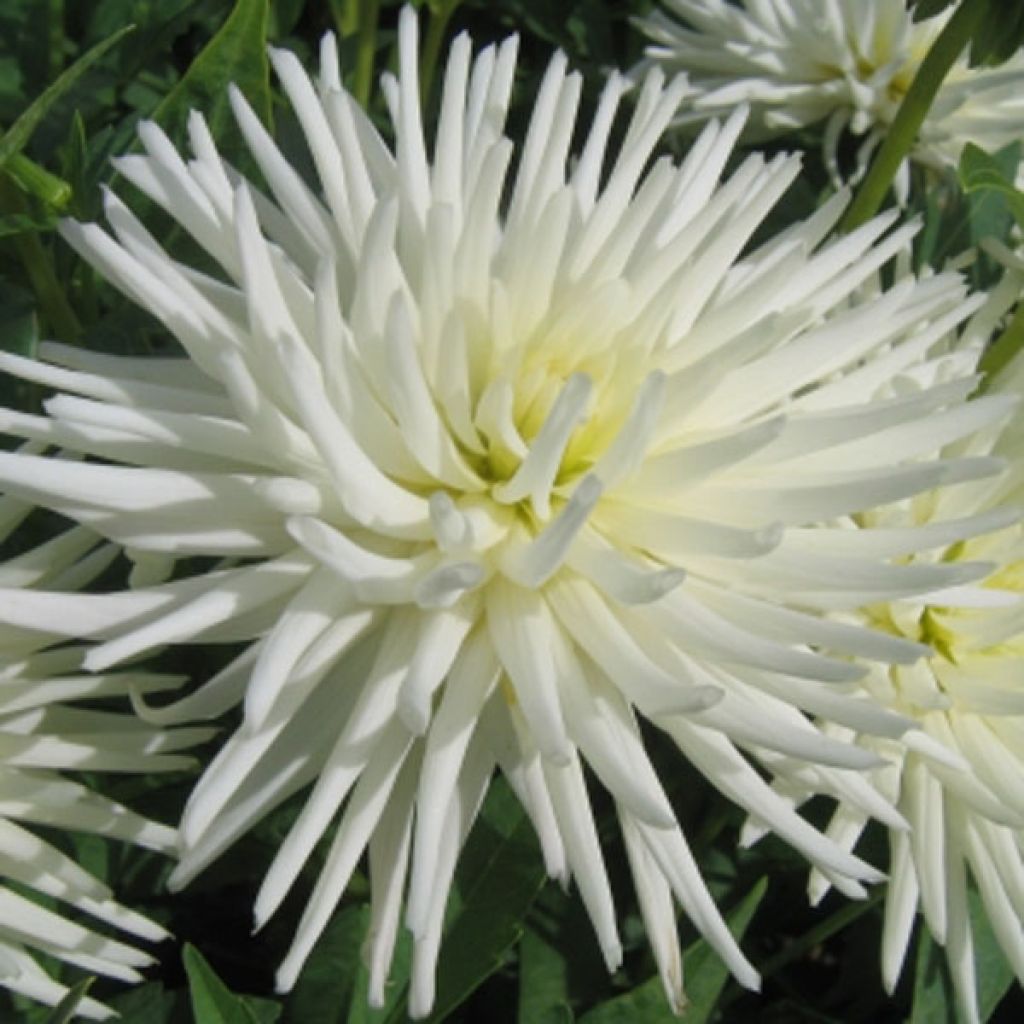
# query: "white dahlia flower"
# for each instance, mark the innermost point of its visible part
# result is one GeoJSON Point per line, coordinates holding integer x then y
{"type": "Point", "coordinates": [846, 62]}
{"type": "Point", "coordinates": [495, 466]}
{"type": "Point", "coordinates": [958, 778]}
{"type": "Point", "coordinates": [42, 733]}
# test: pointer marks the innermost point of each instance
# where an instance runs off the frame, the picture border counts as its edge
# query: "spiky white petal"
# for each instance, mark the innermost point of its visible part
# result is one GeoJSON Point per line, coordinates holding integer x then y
{"type": "Point", "coordinates": [41, 735]}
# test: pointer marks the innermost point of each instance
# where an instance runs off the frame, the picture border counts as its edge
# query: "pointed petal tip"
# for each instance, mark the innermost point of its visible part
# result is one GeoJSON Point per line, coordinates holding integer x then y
{"type": "Point", "coordinates": [414, 714]}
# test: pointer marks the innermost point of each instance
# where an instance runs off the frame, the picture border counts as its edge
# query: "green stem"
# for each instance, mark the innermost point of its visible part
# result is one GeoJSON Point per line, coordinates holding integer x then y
{"type": "Point", "coordinates": [436, 29]}
{"type": "Point", "coordinates": [366, 49]}
{"type": "Point", "coordinates": [902, 134]}
{"type": "Point", "coordinates": [346, 16]}
{"type": "Point", "coordinates": [53, 304]}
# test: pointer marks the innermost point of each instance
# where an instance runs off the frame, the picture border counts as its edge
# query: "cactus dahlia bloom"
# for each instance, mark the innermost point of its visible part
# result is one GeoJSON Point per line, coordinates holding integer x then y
{"type": "Point", "coordinates": [959, 778]}
{"type": "Point", "coordinates": [846, 62]}
{"type": "Point", "coordinates": [493, 466]}
{"type": "Point", "coordinates": [40, 737]}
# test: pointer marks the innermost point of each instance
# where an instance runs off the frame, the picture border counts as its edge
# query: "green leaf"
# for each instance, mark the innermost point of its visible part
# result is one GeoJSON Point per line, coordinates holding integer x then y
{"type": "Point", "coordinates": [499, 876]}
{"type": "Point", "coordinates": [934, 1002]}
{"type": "Point", "coordinates": [214, 1003]}
{"type": "Point", "coordinates": [1000, 34]}
{"type": "Point", "coordinates": [150, 1003]}
{"type": "Point", "coordinates": [237, 53]}
{"type": "Point", "coordinates": [17, 136]}
{"type": "Point", "coordinates": [543, 981]}
{"type": "Point", "coordinates": [503, 874]}
{"type": "Point", "coordinates": [704, 976]}
{"type": "Point", "coordinates": [983, 172]}
{"type": "Point", "coordinates": [396, 993]}
{"type": "Point", "coordinates": [704, 971]}
{"type": "Point", "coordinates": [263, 1011]}
{"type": "Point", "coordinates": [993, 971]}
{"type": "Point", "coordinates": [997, 38]}
{"type": "Point", "coordinates": [934, 997]}
{"type": "Point", "coordinates": [328, 982]}
{"type": "Point", "coordinates": [65, 1009]}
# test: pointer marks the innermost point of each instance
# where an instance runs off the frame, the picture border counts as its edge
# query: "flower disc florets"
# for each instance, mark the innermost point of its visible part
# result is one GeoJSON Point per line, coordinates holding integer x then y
{"type": "Point", "coordinates": [513, 449]}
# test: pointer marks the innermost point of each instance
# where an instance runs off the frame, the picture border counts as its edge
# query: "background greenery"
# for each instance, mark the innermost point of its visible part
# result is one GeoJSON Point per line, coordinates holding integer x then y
{"type": "Point", "coordinates": [74, 80]}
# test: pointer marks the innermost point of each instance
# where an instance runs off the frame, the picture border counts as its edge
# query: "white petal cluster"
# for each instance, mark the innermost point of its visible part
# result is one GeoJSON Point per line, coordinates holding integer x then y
{"type": "Point", "coordinates": [491, 465]}
{"type": "Point", "coordinates": [848, 63]}
{"type": "Point", "coordinates": [958, 778]}
{"type": "Point", "coordinates": [41, 735]}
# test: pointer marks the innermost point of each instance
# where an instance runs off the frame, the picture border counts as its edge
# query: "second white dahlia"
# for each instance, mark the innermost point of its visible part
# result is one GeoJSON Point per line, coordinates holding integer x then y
{"type": "Point", "coordinates": [848, 63]}
{"type": "Point", "coordinates": [497, 464]}
{"type": "Point", "coordinates": [959, 777]}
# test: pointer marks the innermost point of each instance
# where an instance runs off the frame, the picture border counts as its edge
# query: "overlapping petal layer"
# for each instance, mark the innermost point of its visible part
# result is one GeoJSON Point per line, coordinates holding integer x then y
{"type": "Point", "coordinates": [42, 733]}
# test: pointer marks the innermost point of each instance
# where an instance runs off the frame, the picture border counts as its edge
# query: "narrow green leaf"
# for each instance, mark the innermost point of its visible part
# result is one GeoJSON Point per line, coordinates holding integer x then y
{"type": "Point", "coordinates": [704, 976]}
{"type": "Point", "coordinates": [65, 1009]}
{"type": "Point", "coordinates": [237, 53]}
{"type": "Point", "coordinates": [212, 1001]}
{"type": "Point", "coordinates": [17, 136]}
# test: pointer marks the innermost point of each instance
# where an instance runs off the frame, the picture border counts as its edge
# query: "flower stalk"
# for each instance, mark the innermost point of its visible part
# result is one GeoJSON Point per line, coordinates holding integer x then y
{"type": "Point", "coordinates": [900, 138]}
{"type": "Point", "coordinates": [366, 48]}
{"type": "Point", "coordinates": [440, 14]}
